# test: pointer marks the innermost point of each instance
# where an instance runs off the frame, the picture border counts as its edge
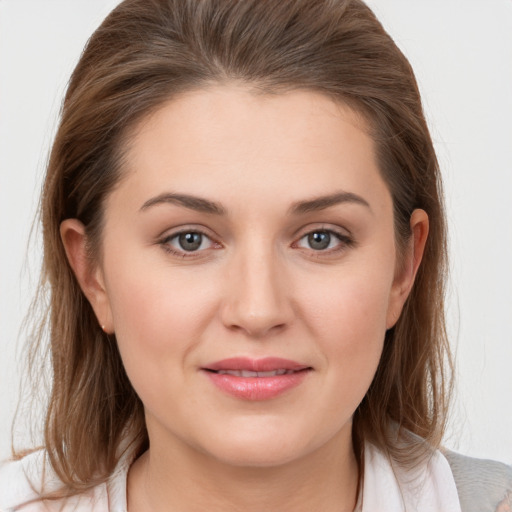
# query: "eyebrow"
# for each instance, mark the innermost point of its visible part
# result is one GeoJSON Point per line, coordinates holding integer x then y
{"type": "Point", "coordinates": [192, 202]}
{"type": "Point", "coordinates": [206, 206]}
{"type": "Point", "coordinates": [323, 202]}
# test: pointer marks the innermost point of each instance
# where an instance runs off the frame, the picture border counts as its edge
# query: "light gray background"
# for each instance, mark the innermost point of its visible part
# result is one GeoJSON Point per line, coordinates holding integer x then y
{"type": "Point", "coordinates": [461, 51]}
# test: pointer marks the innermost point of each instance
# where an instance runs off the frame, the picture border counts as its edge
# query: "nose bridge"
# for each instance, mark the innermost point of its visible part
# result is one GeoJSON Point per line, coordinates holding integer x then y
{"type": "Point", "coordinates": [256, 298]}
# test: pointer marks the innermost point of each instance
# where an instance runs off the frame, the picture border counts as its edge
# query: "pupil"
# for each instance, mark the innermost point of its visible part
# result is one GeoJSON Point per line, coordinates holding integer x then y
{"type": "Point", "coordinates": [319, 240]}
{"type": "Point", "coordinates": [190, 241]}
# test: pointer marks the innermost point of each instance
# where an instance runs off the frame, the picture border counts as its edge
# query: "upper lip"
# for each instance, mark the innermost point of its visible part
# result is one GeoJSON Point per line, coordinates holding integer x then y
{"type": "Point", "coordinates": [266, 364]}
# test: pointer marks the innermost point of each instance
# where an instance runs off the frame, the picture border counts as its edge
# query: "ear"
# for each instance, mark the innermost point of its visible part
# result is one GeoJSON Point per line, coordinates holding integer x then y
{"type": "Point", "coordinates": [88, 274]}
{"type": "Point", "coordinates": [404, 279]}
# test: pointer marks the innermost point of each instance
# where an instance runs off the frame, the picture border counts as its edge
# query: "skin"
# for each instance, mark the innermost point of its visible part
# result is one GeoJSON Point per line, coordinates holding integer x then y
{"type": "Point", "coordinates": [256, 287]}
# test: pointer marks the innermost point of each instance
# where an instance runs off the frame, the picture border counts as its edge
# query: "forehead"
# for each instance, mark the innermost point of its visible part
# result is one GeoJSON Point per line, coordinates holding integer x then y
{"type": "Point", "coordinates": [228, 138]}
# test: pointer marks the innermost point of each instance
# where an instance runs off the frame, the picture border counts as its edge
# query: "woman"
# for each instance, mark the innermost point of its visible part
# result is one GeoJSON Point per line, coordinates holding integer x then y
{"type": "Point", "coordinates": [245, 243]}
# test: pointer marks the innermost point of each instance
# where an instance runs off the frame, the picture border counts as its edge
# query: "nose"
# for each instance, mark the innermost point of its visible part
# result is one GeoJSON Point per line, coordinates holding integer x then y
{"type": "Point", "coordinates": [257, 296]}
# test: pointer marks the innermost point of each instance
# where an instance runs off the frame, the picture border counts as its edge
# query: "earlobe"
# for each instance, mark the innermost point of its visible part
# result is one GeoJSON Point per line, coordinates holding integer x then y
{"type": "Point", "coordinates": [88, 274]}
{"type": "Point", "coordinates": [404, 279]}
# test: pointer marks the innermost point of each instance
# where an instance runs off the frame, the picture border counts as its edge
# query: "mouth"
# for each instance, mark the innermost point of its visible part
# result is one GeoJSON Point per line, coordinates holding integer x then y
{"type": "Point", "coordinates": [267, 365]}
{"type": "Point", "coordinates": [256, 379]}
{"type": "Point", "coordinates": [248, 373]}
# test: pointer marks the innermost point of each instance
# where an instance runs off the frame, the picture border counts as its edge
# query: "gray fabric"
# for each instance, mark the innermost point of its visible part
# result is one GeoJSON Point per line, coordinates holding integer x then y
{"type": "Point", "coordinates": [483, 485]}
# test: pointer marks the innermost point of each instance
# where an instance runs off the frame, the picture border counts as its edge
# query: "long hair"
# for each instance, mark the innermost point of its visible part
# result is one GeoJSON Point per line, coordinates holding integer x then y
{"type": "Point", "coordinates": [145, 53]}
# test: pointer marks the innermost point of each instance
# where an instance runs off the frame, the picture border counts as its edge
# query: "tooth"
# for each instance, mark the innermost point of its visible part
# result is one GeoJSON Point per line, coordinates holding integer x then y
{"type": "Point", "coordinates": [272, 373]}
{"type": "Point", "coordinates": [251, 374]}
{"type": "Point", "coordinates": [248, 373]}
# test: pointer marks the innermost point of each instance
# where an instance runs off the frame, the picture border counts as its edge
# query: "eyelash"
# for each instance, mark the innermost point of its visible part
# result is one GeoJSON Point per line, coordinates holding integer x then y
{"type": "Point", "coordinates": [344, 242]}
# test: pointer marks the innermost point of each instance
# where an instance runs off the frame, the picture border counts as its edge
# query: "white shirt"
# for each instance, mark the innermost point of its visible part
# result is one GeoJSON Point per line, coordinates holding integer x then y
{"type": "Point", "coordinates": [387, 488]}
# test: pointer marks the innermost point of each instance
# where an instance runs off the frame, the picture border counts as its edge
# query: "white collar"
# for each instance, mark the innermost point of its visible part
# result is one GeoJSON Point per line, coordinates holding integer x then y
{"type": "Point", "coordinates": [391, 488]}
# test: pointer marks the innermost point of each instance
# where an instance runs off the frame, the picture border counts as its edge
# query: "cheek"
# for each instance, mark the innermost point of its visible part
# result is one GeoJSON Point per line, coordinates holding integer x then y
{"type": "Point", "coordinates": [348, 318]}
{"type": "Point", "coordinates": [353, 304]}
{"type": "Point", "coordinates": [159, 312]}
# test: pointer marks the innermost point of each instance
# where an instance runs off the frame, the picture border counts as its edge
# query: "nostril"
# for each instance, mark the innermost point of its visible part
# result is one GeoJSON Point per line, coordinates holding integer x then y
{"type": "Point", "coordinates": [259, 329]}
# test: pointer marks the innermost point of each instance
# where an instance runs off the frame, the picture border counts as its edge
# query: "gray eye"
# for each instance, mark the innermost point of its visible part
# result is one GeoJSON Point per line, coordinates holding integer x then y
{"type": "Point", "coordinates": [319, 240]}
{"type": "Point", "coordinates": [190, 241]}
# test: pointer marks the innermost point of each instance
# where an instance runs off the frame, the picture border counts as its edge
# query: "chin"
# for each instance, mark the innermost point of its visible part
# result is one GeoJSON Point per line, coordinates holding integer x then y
{"type": "Point", "coordinates": [257, 456]}
{"type": "Point", "coordinates": [260, 447]}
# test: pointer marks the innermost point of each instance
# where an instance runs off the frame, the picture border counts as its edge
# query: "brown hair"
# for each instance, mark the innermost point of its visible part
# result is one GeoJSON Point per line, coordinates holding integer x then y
{"type": "Point", "coordinates": [146, 52]}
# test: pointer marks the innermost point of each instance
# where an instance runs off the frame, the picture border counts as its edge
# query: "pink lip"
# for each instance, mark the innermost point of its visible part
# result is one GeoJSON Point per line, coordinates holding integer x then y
{"type": "Point", "coordinates": [256, 388]}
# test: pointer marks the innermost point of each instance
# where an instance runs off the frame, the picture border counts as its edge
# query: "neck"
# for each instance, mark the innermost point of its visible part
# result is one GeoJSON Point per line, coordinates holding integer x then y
{"type": "Point", "coordinates": [325, 479]}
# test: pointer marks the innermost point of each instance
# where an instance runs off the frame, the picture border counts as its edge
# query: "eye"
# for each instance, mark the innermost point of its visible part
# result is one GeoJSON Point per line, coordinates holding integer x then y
{"type": "Point", "coordinates": [190, 241]}
{"type": "Point", "coordinates": [323, 240]}
{"type": "Point", "coordinates": [187, 242]}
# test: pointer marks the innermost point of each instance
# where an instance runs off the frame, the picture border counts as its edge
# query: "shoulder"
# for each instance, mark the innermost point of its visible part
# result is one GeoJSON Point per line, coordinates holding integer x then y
{"type": "Point", "coordinates": [483, 485]}
{"type": "Point", "coordinates": [23, 481]}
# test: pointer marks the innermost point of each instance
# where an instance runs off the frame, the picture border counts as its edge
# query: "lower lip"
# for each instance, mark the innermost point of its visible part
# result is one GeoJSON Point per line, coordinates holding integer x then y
{"type": "Point", "coordinates": [257, 388]}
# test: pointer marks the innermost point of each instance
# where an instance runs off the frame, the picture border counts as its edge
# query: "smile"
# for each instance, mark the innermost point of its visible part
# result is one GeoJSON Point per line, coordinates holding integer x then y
{"type": "Point", "coordinates": [256, 380]}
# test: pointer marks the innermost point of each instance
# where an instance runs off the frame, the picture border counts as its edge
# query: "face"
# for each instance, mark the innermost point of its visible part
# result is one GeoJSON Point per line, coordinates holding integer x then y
{"type": "Point", "coordinates": [248, 271]}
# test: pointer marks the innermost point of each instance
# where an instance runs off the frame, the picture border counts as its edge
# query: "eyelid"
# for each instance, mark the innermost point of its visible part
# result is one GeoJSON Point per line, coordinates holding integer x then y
{"type": "Point", "coordinates": [339, 231]}
{"type": "Point", "coordinates": [186, 228]}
